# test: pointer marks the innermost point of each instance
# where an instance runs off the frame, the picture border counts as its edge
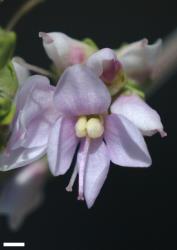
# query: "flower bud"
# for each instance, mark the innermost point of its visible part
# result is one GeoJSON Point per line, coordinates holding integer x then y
{"type": "Point", "coordinates": [106, 65]}
{"type": "Point", "coordinates": [65, 51]}
{"type": "Point", "coordinates": [95, 128]}
{"type": "Point", "coordinates": [138, 59]}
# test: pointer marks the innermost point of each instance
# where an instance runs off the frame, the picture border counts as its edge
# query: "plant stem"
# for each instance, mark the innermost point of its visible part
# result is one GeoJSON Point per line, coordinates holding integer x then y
{"type": "Point", "coordinates": [33, 68]}
{"type": "Point", "coordinates": [23, 10]}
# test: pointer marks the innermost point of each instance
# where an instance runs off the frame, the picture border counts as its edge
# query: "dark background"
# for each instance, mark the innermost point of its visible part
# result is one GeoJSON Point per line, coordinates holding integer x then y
{"type": "Point", "coordinates": [137, 209]}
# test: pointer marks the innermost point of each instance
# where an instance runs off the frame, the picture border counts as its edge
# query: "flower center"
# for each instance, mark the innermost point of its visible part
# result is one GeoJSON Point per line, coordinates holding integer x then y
{"type": "Point", "coordinates": [89, 126]}
{"type": "Point", "coordinates": [116, 85]}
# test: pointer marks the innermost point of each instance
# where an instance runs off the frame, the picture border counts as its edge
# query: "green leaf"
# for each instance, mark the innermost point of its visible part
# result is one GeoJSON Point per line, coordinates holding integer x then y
{"type": "Point", "coordinates": [4, 135]}
{"type": "Point", "coordinates": [8, 81]}
{"type": "Point", "coordinates": [8, 88]}
{"type": "Point", "coordinates": [9, 117]}
{"type": "Point", "coordinates": [7, 46]}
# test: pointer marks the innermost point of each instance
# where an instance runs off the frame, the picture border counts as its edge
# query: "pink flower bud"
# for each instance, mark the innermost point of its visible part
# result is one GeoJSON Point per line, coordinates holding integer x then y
{"type": "Point", "coordinates": [65, 51]}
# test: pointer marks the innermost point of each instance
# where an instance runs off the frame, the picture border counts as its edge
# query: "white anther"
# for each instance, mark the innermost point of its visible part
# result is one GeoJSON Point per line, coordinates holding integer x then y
{"type": "Point", "coordinates": [95, 128]}
{"type": "Point", "coordinates": [80, 127]}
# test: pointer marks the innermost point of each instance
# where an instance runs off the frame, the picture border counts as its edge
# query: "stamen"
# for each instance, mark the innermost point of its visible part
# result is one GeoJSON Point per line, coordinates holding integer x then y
{"type": "Point", "coordinates": [82, 166]}
{"type": "Point", "coordinates": [80, 127]}
{"type": "Point", "coordinates": [31, 67]}
{"type": "Point", "coordinates": [69, 188]}
{"type": "Point", "coordinates": [95, 128]}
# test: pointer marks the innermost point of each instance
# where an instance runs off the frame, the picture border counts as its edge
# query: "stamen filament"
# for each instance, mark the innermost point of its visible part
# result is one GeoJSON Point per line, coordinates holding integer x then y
{"type": "Point", "coordinates": [69, 188]}
{"type": "Point", "coordinates": [82, 166]}
{"type": "Point", "coordinates": [33, 68]}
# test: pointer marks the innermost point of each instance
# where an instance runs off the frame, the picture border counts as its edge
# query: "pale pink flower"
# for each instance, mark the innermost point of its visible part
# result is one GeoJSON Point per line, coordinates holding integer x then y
{"type": "Point", "coordinates": [83, 118]}
{"type": "Point", "coordinates": [84, 101]}
{"type": "Point", "coordinates": [35, 113]}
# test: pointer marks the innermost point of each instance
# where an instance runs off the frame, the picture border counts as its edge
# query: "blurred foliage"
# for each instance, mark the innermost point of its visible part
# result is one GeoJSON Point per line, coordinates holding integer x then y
{"type": "Point", "coordinates": [8, 83]}
{"type": "Point", "coordinates": [7, 46]}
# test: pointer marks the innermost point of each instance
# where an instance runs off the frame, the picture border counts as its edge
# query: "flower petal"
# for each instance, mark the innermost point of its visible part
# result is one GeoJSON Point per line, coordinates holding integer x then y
{"type": "Point", "coordinates": [21, 72]}
{"type": "Point", "coordinates": [20, 157]}
{"type": "Point", "coordinates": [96, 170]}
{"type": "Point", "coordinates": [34, 119]}
{"type": "Point", "coordinates": [37, 133]}
{"type": "Point", "coordinates": [62, 146]}
{"type": "Point", "coordinates": [105, 64]}
{"type": "Point", "coordinates": [82, 164]}
{"type": "Point", "coordinates": [33, 82]}
{"type": "Point", "coordinates": [40, 103]}
{"type": "Point", "coordinates": [125, 143]}
{"type": "Point", "coordinates": [81, 92]}
{"type": "Point", "coordinates": [139, 113]}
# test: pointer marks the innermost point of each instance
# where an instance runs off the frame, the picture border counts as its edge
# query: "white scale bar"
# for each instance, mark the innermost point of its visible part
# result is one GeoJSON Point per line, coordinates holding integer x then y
{"type": "Point", "coordinates": [13, 244]}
